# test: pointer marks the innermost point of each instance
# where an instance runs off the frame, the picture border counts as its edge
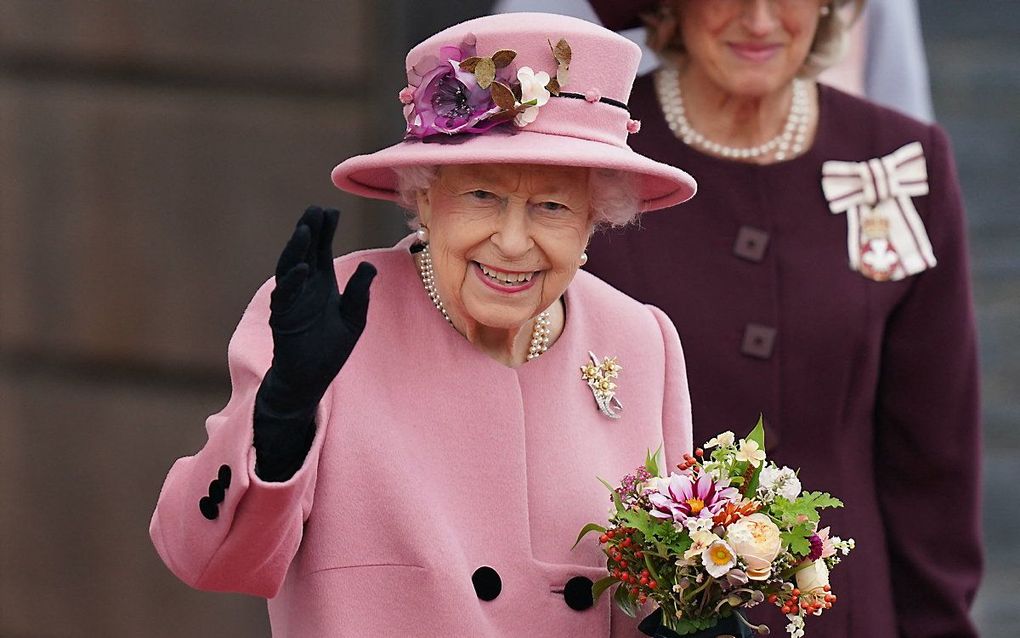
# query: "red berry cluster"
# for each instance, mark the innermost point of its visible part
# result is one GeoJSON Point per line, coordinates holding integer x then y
{"type": "Point", "coordinates": [626, 562]}
{"type": "Point", "coordinates": [690, 461]}
{"type": "Point", "coordinates": [812, 604]}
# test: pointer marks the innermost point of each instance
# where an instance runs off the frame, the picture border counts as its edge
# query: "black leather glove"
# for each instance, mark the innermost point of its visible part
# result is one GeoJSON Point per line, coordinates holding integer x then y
{"type": "Point", "coordinates": [315, 329]}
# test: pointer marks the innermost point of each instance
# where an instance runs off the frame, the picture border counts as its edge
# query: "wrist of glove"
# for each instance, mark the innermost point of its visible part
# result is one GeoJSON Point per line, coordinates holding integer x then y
{"type": "Point", "coordinates": [284, 429]}
{"type": "Point", "coordinates": [315, 329]}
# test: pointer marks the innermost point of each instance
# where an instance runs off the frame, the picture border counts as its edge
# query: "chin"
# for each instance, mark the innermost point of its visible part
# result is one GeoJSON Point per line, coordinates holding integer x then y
{"type": "Point", "coordinates": [499, 318]}
{"type": "Point", "coordinates": [755, 84]}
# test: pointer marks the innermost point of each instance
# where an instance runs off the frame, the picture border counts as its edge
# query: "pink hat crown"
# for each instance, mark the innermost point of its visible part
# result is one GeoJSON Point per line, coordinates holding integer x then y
{"type": "Point", "coordinates": [519, 88]}
{"type": "Point", "coordinates": [540, 72]}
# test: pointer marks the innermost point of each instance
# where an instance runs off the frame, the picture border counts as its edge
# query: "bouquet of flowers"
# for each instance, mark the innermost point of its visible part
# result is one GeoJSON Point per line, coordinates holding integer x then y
{"type": "Point", "coordinates": [726, 530]}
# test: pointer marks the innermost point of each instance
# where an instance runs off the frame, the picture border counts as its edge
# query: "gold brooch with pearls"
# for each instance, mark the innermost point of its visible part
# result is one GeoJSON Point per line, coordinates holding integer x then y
{"type": "Point", "coordinates": [600, 375]}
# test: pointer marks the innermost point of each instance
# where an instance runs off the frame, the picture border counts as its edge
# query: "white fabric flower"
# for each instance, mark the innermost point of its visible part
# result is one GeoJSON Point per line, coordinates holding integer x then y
{"type": "Point", "coordinates": [722, 440]}
{"type": "Point", "coordinates": [532, 88]}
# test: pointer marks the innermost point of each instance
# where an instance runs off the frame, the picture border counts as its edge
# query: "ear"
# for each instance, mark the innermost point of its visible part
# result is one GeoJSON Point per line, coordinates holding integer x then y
{"type": "Point", "coordinates": [424, 206]}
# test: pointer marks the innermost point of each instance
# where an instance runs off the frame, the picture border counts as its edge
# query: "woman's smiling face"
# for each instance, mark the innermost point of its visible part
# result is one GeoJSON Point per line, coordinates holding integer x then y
{"type": "Point", "coordinates": [748, 47]}
{"type": "Point", "coordinates": [506, 240]}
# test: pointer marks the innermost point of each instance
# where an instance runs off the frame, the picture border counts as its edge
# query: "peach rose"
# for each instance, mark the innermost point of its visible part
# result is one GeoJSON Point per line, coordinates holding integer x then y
{"type": "Point", "coordinates": [757, 541]}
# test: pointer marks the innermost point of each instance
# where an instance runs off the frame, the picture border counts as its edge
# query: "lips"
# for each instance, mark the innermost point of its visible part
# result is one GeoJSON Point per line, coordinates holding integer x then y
{"type": "Point", "coordinates": [505, 280]}
{"type": "Point", "coordinates": [753, 52]}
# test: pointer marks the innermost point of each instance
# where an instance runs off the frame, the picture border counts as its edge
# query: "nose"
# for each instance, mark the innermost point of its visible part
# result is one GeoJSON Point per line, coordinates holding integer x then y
{"type": "Point", "coordinates": [512, 235]}
{"type": "Point", "coordinates": [759, 17]}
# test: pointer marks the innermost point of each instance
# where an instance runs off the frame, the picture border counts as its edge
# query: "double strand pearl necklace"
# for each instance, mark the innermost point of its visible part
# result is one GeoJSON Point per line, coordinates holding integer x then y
{"type": "Point", "coordinates": [540, 333]}
{"type": "Point", "coordinates": [789, 143]}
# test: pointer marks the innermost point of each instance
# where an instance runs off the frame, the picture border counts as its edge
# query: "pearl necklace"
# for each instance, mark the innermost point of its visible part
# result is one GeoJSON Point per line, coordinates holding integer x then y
{"type": "Point", "coordinates": [789, 143]}
{"type": "Point", "coordinates": [540, 333]}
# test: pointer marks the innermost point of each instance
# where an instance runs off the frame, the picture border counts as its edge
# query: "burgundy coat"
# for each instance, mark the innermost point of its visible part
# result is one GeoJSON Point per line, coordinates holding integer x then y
{"type": "Point", "coordinates": [870, 387]}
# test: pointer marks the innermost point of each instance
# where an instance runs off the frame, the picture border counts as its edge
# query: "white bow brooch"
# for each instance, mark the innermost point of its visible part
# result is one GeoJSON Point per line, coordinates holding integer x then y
{"type": "Point", "coordinates": [886, 238]}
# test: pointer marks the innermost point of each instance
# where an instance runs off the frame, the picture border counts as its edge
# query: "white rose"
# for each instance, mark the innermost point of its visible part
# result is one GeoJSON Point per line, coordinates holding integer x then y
{"type": "Point", "coordinates": [757, 541]}
{"type": "Point", "coordinates": [813, 577]}
{"type": "Point", "coordinates": [781, 481]}
{"type": "Point", "coordinates": [532, 88]}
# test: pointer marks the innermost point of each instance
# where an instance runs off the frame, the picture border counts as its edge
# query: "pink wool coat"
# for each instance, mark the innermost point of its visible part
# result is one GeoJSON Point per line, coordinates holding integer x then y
{"type": "Point", "coordinates": [430, 461]}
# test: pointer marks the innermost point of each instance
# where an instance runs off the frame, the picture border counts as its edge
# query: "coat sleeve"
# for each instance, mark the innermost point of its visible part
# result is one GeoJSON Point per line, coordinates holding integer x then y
{"type": "Point", "coordinates": [676, 404]}
{"type": "Point", "coordinates": [928, 427]}
{"type": "Point", "coordinates": [217, 526]}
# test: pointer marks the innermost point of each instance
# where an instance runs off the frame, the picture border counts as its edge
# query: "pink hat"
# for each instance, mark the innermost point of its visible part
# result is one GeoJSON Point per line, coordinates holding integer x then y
{"type": "Point", "coordinates": [519, 88]}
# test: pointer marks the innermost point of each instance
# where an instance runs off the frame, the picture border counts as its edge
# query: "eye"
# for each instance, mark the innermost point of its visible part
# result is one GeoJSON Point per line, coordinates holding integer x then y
{"type": "Point", "coordinates": [552, 206]}
{"type": "Point", "coordinates": [482, 195]}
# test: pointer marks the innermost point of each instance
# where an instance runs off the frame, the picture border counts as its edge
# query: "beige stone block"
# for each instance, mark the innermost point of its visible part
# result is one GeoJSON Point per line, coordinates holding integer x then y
{"type": "Point", "coordinates": [136, 223]}
{"type": "Point", "coordinates": [315, 43]}
{"type": "Point", "coordinates": [82, 457]}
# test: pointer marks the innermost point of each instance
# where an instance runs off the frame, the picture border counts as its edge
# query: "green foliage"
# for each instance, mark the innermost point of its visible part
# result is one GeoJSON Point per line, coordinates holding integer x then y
{"type": "Point", "coordinates": [614, 494]}
{"type": "Point", "coordinates": [797, 518]}
{"type": "Point", "coordinates": [796, 540]}
{"type": "Point", "coordinates": [758, 435]}
{"type": "Point", "coordinates": [600, 586]}
{"type": "Point", "coordinates": [687, 626]}
{"type": "Point", "coordinates": [625, 602]}
{"type": "Point", "coordinates": [588, 529]}
{"type": "Point", "coordinates": [652, 461]}
{"type": "Point", "coordinates": [806, 505]}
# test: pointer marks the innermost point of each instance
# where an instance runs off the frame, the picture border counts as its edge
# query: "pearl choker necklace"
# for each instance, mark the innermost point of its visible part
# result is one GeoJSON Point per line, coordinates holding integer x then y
{"type": "Point", "coordinates": [539, 333]}
{"type": "Point", "coordinates": [789, 143]}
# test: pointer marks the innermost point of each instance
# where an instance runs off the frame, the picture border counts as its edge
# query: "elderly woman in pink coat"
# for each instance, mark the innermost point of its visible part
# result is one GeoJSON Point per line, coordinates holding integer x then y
{"type": "Point", "coordinates": [421, 463]}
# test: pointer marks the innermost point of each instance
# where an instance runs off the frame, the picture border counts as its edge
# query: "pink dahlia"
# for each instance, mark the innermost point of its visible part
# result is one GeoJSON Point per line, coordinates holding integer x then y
{"type": "Point", "coordinates": [690, 497]}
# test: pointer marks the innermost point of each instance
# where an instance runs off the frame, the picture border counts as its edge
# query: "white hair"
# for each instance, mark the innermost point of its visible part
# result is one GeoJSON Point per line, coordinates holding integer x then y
{"type": "Point", "coordinates": [613, 193]}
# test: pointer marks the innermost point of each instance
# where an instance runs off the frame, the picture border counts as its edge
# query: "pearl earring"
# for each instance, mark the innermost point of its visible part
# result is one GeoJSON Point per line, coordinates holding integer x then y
{"type": "Point", "coordinates": [824, 10]}
{"type": "Point", "coordinates": [584, 258]}
{"type": "Point", "coordinates": [423, 234]}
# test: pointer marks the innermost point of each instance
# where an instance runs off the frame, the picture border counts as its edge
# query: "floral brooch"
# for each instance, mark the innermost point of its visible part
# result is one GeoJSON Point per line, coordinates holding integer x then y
{"type": "Point", "coordinates": [599, 376]}
{"type": "Point", "coordinates": [461, 92]}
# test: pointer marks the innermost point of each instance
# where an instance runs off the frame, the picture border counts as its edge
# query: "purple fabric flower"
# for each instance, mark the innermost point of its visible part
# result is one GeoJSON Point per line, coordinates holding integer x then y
{"type": "Point", "coordinates": [447, 99]}
{"type": "Point", "coordinates": [690, 498]}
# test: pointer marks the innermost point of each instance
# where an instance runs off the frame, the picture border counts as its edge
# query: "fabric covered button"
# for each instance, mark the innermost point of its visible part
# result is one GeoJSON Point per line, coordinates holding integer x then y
{"type": "Point", "coordinates": [224, 476]}
{"type": "Point", "coordinates": [487, 583]}
{"type": "Point", "coordinates": [577, 593]}
{"type": "Point", "coordinates": [216, 491]}
{"type": "Point", "coordinates": [209, 508]}
{"type": "Point", "coordinates": [758, 341]}
{"type": "Point", "coordinates": [751, 243]}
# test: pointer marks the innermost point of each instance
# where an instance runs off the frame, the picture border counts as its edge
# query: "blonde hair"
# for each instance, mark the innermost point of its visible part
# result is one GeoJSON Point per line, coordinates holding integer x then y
{"type": "Point", "coordinates": [614, 194]}
{"type": "Point", "coordinates": [665, 38]}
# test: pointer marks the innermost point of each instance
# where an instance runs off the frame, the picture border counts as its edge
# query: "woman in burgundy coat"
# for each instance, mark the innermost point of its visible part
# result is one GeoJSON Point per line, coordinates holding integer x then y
{"type": "Point", "coordinates": [820, 276]}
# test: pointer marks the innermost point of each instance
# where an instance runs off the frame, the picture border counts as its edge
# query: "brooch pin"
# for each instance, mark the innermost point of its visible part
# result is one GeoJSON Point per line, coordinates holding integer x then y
{"type": "Point", "coordinates": [599, 376]}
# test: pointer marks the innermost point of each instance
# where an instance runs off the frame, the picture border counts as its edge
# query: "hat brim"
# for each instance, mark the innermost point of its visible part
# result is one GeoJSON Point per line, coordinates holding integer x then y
{"type": "Point", "coordinates": [659, 185]}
